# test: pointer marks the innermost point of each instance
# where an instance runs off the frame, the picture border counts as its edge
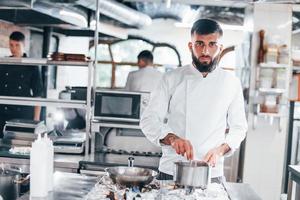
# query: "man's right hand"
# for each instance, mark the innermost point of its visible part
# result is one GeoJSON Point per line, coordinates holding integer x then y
{"type": "Point", "coordinates": [182, 146]}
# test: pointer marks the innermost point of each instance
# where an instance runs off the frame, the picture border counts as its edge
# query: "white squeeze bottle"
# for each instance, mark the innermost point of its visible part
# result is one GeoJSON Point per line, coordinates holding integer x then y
{"type": "Point", "coordinates": [38, 169]}
{"type": "Point", "coordinates": [50, 158]}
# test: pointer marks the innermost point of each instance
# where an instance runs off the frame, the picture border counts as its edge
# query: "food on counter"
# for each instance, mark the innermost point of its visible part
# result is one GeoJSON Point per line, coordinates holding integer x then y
{"type": "Point", "coordinates": [104, 189]}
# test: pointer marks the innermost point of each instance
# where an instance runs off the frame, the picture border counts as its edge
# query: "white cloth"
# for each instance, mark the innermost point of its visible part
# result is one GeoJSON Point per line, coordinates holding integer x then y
{"type": "Point", "coordinates": [145, 79]}
{"type": "Point", "coordinates": [198, 109]}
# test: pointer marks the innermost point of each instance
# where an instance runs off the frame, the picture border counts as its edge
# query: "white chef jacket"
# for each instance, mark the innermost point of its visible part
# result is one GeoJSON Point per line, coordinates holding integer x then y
{"type": "Point", "coordinates": [198, 109]}
{"type": "Point", "coordinates": [145, 79]}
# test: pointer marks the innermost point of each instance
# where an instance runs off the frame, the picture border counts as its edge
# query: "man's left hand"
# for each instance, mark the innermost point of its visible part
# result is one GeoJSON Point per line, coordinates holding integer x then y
{"type": "Point", "coordinates": [213, 155]}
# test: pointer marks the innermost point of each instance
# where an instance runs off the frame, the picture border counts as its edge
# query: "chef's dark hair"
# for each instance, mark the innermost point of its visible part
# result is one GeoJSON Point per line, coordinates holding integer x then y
{"type": "Point", "coordinates": [17, 36]}
{"type": "Point", "coordinates": [206, 26]}
{"type": "Point", "coordinates": [145, 55]}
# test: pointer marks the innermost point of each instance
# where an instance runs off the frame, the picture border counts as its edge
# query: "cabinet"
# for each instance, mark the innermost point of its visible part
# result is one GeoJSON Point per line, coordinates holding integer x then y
{"type": "Point", "coordinates": [12, 100]}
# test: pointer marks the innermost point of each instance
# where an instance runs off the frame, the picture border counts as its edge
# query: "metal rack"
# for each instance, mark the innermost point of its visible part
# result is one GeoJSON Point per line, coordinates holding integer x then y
{"type": "Point", "coordinates": [13, 100]}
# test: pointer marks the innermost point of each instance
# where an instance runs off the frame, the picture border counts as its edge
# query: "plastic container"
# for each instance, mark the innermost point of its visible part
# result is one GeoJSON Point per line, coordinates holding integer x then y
{"type": "Point", "coordinates": [38, 169]}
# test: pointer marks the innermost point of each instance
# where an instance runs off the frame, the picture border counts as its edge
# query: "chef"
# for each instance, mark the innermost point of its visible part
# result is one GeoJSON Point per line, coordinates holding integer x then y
{"type": "Point", "coordinates": [146, 78]}
{"type": "Point", "coordinates": [189, 112]}
{"type": "Point", "coordinates": [23, 81]}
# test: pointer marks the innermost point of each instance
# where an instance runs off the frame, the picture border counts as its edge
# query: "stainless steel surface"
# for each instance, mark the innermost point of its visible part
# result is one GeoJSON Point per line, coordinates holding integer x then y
{"type": "Point", "coordinates": [240, 191]}
{"type": "Point", "coordinates": [68, 186]}
{"type": "Point", "coordinates": [194, 174]}
{"type": "Point", "coordinates": [62, 162]}
{"type": "Point", "coordinates": [30, 101]}
{"type": "Point", "coordinates": [40, 61]}
{"type": "Point", "coordinates": [131, 176]}
{"type": "Point", "coordinates": [9, 188]}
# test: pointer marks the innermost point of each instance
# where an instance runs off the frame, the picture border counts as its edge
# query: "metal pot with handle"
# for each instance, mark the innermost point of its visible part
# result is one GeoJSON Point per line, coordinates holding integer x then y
{"type": "Point", "coordinates": [131, 176]}
{"type": "Point", "coordinates": [192, 174]}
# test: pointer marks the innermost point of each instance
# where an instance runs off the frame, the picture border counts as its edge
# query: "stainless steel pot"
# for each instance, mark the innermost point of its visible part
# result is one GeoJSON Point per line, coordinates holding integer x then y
{"type": "Point", "coordinates": [9, 188]}
{"type": "Point", "coordinates": [12, 181]}
{"type": "Point", "coordinates": [192, 174]}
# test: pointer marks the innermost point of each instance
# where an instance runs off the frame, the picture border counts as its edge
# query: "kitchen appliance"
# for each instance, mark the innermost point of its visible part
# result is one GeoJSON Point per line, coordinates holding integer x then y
{"type": "Point", "coordinates": [113, 105]}
{"type": "Point", "coordinates": [192, 174]}
{"type": "Point", "coordinates": [70, 142]}
{"type": "Point", "coordinates": [12, 182]}
{"type": "Point", "coordinates": [22, 132]}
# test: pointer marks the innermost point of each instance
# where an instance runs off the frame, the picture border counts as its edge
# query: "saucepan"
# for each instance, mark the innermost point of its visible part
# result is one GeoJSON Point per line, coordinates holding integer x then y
{"type": "Point", "coordinates": [131, 176]}
{"type": "Point", "coordinates": [192, 174]}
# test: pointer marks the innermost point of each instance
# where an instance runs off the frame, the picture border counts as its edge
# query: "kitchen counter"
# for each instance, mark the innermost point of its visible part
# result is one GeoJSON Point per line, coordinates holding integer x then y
{"type": "Point", "coordinates": [62, 162]}
{"type": "Point", "coordinates": [75, 186]}
{"type": "Point", "coordinates": [68, 186]}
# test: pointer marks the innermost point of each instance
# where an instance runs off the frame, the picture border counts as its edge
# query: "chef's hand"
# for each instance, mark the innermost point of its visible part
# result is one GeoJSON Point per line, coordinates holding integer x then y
{"type": "Point", "coordinates": [214, 154]}
{"type": "Point", "coordinates": [181, 146]}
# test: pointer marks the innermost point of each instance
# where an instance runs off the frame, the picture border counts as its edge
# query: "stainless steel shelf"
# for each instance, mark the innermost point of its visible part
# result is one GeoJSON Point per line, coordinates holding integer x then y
{"type": "Point", "coordinates": [42, 61]}
{"type": "Point", "coordinates": [271, 90]}
{"type": "Point", "coordinates": [274, 65]}
{"type": "Point", "coordinates": [264, 114]}
{"type": "Point", "coordinates": [296, 68]}
{"type": "Point", "coordinates": [29, 101]}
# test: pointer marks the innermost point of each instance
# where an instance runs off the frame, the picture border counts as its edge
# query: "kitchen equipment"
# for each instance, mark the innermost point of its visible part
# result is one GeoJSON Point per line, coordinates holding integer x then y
{"type": "Point", "coordinates": [70, 142]}
{"type": "Point", "coordinates": [22, 132]}
{"type": "Point", "coordinates": [131, 176]}
{"type": "Point", "coordinates": [10, 181]}
{"type": "Point", "coordinates": [192, 174]}
{"type": "Point", "coordinates": [115, 105]}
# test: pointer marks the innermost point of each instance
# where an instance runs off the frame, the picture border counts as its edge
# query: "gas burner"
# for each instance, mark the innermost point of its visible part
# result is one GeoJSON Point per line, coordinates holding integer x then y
{"type": "Point", "coordinates": [133, 153]}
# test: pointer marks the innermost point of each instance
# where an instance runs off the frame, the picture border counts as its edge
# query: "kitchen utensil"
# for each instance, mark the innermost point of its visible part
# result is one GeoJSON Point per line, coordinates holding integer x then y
{"type": "Point", "coordinates": [131, 176]}
{"type": "Point", "coordinates": [192, 173]}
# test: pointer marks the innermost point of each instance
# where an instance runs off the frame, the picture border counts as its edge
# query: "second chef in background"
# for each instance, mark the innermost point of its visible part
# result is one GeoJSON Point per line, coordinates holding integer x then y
{"type": "Point", "coordinates": [22, 81]}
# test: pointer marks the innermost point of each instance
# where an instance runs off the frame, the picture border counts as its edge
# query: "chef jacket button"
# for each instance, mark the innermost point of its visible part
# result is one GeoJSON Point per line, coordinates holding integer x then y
{"type": "Point", "coordinates": [20, 87]}
{"type": "Point", "coordinates": [5, 85]}
{"type": "Point", "coordinates": [6, 74]}
{"type": "Point", "coordinates": [5, 108]}
{"type": "Point", "coordinates": [22, 76]}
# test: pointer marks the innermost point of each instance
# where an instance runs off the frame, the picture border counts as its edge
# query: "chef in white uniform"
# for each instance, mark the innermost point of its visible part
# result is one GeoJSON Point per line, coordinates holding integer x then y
{"type": "Point", "coordinates": [146, 78]}
{"type": "Point", "coordinates": [189, 112]}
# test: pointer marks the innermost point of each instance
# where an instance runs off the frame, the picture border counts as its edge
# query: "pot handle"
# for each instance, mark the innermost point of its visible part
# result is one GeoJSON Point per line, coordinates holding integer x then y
{"type": "Point", "coordinates": [22, 180]}
{"type": "Point", "coordinates": [130, 161]}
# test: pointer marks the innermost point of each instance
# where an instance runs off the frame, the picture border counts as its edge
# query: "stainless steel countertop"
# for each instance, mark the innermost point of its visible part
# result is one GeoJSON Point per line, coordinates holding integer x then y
{"type": "Point", "coordinates": [75, 186]}
{"type": "Point", "coordinates": [240, 191]}
{"type": "Point", "coordinates": [68, 186]}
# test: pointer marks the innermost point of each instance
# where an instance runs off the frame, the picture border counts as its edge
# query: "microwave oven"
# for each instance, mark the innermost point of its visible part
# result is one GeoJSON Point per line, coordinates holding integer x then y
{"type": "Point", "coordinates": [113, 105]}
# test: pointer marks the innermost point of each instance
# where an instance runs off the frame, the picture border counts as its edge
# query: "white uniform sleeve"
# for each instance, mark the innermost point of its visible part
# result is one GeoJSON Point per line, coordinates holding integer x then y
{"type": "Point", "coordinates": [236, 120]}
{"type": "Point", "coordinates": [153, 120]}
{"type": "Point", "coordinates": [128, 82]}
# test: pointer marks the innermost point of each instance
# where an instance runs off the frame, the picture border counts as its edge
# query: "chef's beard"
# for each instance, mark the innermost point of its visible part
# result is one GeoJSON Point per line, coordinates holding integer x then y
{"type": "Point", "coordinates": [204, 67]}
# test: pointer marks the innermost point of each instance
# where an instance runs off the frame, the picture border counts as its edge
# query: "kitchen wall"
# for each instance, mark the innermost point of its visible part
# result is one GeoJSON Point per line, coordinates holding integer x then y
{"type": "Point", "coordinates": [265, 146]}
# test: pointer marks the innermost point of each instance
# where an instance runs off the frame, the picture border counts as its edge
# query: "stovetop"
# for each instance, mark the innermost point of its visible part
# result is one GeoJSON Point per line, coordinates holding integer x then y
{"type": "Point", "coordinates": [132, 153]}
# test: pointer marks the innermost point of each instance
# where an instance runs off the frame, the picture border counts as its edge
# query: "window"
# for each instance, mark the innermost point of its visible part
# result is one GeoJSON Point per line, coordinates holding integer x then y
{"type": "Point", "coordinates": [103, 75]}
{"type": "Point", "coordinates": [102, 52]}
{"type": "Point", "coordinates": [127, 51]}
{"type": "Point", "coordinates": [112, 71]}
{"type": "Point", "coordinates": [165, 55]}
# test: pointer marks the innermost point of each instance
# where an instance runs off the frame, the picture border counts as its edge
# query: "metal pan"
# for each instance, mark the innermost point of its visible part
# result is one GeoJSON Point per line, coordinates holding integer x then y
{"type": "Point", "coordinates": [131, 176]}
